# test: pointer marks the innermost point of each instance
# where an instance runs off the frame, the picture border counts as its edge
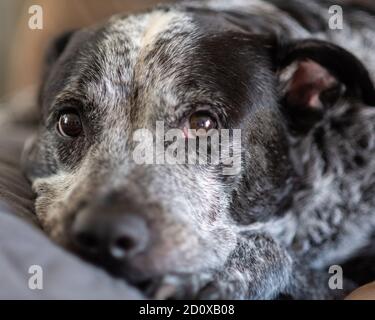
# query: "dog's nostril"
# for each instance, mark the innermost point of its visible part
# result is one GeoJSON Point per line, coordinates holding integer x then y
{"type": "Point", "coordinates": [123, 246]}
{"type": "Point", "coordinates": [88, 241]}
{"type": "Point", "coordinates": [125, 243]}
{"type": "Point", "coordinates": [111, 236]}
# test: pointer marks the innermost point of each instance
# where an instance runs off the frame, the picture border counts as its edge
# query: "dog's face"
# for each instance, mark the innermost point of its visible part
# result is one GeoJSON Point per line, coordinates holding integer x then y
{"type": "Point", "coordinates": [190, 71]}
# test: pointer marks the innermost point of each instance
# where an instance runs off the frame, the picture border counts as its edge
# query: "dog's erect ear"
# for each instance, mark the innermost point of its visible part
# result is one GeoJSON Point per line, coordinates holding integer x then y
{"type": "Point", "coordinates": [54, 51]}
{"type": "Point", "coordinates": [313, 74]}
{"type": "Point", "coordinates": [57, 47]}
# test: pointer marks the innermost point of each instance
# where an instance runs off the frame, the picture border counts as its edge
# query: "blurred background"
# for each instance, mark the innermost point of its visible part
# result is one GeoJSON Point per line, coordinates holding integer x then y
{"type": "Point", "coordinates": [22, 49]}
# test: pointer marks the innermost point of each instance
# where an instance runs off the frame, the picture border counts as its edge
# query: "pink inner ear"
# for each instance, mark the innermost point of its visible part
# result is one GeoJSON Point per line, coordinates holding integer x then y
{"type": "Point", "coordinates": [307, 83]}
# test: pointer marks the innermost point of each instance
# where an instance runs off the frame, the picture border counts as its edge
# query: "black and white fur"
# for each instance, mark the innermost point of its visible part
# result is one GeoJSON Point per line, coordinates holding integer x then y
{"type": "Point", "coordinates": [304, 197]}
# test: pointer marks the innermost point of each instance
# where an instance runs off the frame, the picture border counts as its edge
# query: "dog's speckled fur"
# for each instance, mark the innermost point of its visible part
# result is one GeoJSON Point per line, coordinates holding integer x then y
{"type": "Point", "coordinates": [302, 201]}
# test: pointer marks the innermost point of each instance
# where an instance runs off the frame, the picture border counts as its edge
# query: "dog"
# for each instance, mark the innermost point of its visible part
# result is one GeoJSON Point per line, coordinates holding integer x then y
{"type": "Point", "coordinates": [302, 96]}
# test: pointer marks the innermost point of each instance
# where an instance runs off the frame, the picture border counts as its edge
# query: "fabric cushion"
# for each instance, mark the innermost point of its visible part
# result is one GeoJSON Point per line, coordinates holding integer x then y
{"type": "Point", "coordinates": [15, 192]}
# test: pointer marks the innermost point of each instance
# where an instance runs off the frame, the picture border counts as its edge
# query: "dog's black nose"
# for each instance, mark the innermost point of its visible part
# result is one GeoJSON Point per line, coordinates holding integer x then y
{"type": "Point", "coordinates": [107, 235]}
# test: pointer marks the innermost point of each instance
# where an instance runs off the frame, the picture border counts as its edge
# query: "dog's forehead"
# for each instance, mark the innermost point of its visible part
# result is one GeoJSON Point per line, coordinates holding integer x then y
{"type": "Point", "coordinates": [143, 48]}
{"type": "Point", "coordinates": [104, 62]}
{"type": "Point", "coordinates": [143, 30]}
{"type": "Point", "coordinates": [163, 58]}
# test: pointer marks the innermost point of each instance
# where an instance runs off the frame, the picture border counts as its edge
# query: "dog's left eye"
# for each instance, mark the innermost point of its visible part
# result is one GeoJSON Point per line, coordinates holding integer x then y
{"type": "Point", "coordinates": [202, 120]}
{"type": "Point", "coordinates": [70, 125]}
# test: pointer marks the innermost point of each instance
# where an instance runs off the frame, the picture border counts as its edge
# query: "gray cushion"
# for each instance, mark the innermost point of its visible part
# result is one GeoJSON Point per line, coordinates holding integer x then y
{"type": "Point", "coordinates": [15, 192]}
{"type": "Point", "coordinates": [64, 275]}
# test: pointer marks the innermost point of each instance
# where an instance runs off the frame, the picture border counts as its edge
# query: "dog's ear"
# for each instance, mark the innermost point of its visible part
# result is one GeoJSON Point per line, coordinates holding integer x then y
{"type": "Point", "coordinates": [314, 74]}
{"type": "Point", "coordinates": [56, 48]}
{"type": "Point", "coordinates": [53, 52]}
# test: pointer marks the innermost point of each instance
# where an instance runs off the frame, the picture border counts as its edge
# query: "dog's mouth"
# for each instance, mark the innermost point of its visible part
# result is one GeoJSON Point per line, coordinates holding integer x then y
{"type": "Point", "coordinates": [158, 286]}
{"type": "Point", "coordinates": [156, 289]}
{"type": "Point", "coordinates": [152, 286]}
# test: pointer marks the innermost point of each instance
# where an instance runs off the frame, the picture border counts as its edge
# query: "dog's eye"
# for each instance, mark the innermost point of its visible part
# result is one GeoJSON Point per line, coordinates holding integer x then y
{"type": "Point", "coordinates": [70, 125]}
{"type": "Point", "coordinates": [202, 120]}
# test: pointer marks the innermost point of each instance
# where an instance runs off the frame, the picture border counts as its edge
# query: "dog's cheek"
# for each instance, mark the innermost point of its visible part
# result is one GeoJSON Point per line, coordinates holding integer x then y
{"type": "Point", "coordinates": [37, 159]}
{"type": "Point", "coordinates": [40, 167]}
{"type": "Point", "coordinates": [208, 220]}
{"type": "Point", "coordinates": [51, 218]}
{"type": "Point", "coordinates": [52, 209]}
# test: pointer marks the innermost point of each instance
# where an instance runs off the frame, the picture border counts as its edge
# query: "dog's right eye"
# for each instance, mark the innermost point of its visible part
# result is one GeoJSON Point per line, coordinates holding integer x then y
{"type": "Point", "coordinates": [70, 125]}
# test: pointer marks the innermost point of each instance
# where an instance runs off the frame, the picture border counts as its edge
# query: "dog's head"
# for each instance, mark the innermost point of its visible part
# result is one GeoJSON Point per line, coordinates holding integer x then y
{"type": "Point", "coordinates": [189, 69]}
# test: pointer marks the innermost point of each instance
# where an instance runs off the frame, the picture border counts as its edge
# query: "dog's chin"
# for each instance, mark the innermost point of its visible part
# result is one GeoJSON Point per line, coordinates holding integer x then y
{"type": "Point", "coordinates": [151, 284]}
{"type": "Point", "coordinates": [154, 285]}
